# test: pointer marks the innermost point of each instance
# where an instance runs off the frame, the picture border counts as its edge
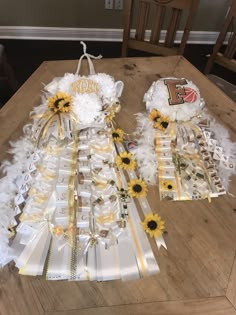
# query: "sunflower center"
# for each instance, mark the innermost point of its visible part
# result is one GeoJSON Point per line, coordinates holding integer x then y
{"type": "Point", "coordinates": [115, 135]}
{"type": "Point", "coordinates": [152, 225]}
{"type": "Point", "coordinates": [137, 188]}
{"type": "Point", "coordinates": [156, 118]}
{"type": "Point", "coordinates": [169, 187]}
{"type": "Point", "coordinates": [56, 103]}
{"type": "Point", "coordinates": [126, 160]}
{"type": "Point", "coordinates": [164, 124]}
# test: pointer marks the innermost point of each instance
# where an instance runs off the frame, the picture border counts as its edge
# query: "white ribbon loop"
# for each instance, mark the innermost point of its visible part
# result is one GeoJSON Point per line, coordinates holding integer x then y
{"type": "Point", "coordinates": [88, 56]}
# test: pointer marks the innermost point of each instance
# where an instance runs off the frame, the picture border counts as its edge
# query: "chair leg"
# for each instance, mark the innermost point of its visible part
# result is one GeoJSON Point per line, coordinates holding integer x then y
{"type": "Point", "coordinates": [209, 64]}
{"type": "Point", "coordinates": [9, 73]}
{"type": "Point", "coordinates": [124, 50]}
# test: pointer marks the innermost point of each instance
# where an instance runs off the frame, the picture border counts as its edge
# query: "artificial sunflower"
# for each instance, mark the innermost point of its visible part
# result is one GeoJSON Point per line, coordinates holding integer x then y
{"type": "Point", "coordinates": [60, 102]}
{"type": "Point", "coordinates": [109, 117]}
{"type": "Point", "coordinates": [126, 161]}
{"type": "Point", "coordinates": [153, 225]}
{"type": "Point", "coordinates": [162, 123]}
{"type": "Point", "coordinates": [137, 188]}
{"type": "Point", "coordinates": [167, 185]}
{"type": "Point", "coordinates": [117, 135]}
{"type": "Point", "coordinates": [154, 116]}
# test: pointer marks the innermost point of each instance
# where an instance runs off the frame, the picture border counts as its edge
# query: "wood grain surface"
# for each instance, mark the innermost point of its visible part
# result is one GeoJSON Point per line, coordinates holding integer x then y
{"type": "Point", "coordinates": [214, 306]}
{"type": "Point", "coordinates": [198, 271]}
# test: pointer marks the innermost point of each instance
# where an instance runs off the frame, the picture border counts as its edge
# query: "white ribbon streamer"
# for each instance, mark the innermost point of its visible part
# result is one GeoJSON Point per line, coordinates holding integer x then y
{"type": "Point", "coordinates": [147, 262]}
{"type": "Point", "coordinates": [144, 205]}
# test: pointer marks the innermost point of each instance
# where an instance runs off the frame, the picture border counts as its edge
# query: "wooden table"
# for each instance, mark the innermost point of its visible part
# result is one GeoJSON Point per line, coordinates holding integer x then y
{"type": "Point", "coordinates": [198, 271]}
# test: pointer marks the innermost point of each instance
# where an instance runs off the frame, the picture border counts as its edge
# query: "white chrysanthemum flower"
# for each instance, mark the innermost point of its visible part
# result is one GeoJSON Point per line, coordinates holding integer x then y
{"type": "Point", "coordinates": [86, 107]}
{"type": "Point", "coordinates": [62, 84]}
{"type": "Point", "coordinates": [106, 84]}
{"type": "Point", "coordinates": [65, 84]}
{"type": "Point", "coordinates": [109, 90]}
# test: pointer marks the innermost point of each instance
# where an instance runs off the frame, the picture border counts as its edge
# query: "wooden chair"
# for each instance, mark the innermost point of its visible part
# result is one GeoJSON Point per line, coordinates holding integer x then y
{"type": "Point", "coordinates": [227, 58]}
{"type": "Point", "coordinates": [151, 14]}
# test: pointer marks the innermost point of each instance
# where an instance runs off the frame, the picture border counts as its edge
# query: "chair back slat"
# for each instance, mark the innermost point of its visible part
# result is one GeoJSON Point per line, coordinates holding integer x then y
{"type": "Point", "coordinates": [172, 28]}
{"type": "Point", "coordinates": [157, 23]}
{"type": "Point", "coordinates": [231, 48]}
{"type": "Point", "coordinates": [143, 12]}
{"type": "Point", "coordinates": [151, 15]}
{"type": "Point", "coordinates": [127, 25]}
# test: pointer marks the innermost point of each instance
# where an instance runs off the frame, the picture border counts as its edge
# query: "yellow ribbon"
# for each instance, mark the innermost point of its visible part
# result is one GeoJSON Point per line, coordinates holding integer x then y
{"type": "Point", "coordinates": [101, 149]}
{"type": "Point", "coordinates": [139, 253]}
{"type": "Point", "coordinates": [59, 125]}
{"type": "Point", "coordinates": [99, 183]}
{"type": "Point", "coordinates": [105, 218]}
{"type": "Point", "coordinates": [50, 118]}
{"type": "Point", "coordinates": [58, 230]}
{"type": "Point", "coordinates": [52, 151]}
{"type": "Point", "coordinates": [47, 125]}
{"type": "Point", "coordinates": [40, 198]}
{"type": "Point", "coordinates": [47, 174]}
{"type": "Point", "coordinates": [43, 115]}
{"type": "Point", "coordinates": [43, 217]}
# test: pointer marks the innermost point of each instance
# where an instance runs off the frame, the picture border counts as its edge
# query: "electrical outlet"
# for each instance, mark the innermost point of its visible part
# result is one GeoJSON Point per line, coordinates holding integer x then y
{"type": "Point", "coordinates": [109, 4]}
{"type": "Point", "coordinates": [118, 4]}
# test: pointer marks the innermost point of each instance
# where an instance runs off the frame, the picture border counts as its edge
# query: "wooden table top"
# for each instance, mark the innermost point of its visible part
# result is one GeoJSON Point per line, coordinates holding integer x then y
{"type": "Point", "coordinates": [198, 271]}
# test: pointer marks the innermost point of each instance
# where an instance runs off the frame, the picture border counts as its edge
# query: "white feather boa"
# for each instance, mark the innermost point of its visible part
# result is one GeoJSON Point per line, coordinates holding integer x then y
{"type": "Point", "coordinates": [145, 151]}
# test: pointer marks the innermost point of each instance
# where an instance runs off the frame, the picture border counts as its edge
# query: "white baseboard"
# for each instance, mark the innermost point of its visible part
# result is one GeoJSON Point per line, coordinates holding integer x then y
{"type": "Point", "coordinates": [92, 34]}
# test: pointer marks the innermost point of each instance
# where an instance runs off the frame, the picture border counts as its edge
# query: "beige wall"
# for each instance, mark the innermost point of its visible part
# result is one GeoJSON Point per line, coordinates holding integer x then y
{"type": "Point", "coordinates": [91, 14]}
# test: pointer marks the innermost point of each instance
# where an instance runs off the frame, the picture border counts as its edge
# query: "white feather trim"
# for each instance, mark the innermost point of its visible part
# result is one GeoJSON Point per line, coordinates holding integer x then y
{"type": "Point", "coordinates": [145, 154]}
{"type": "Point", "coordinates": [52, 87]}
